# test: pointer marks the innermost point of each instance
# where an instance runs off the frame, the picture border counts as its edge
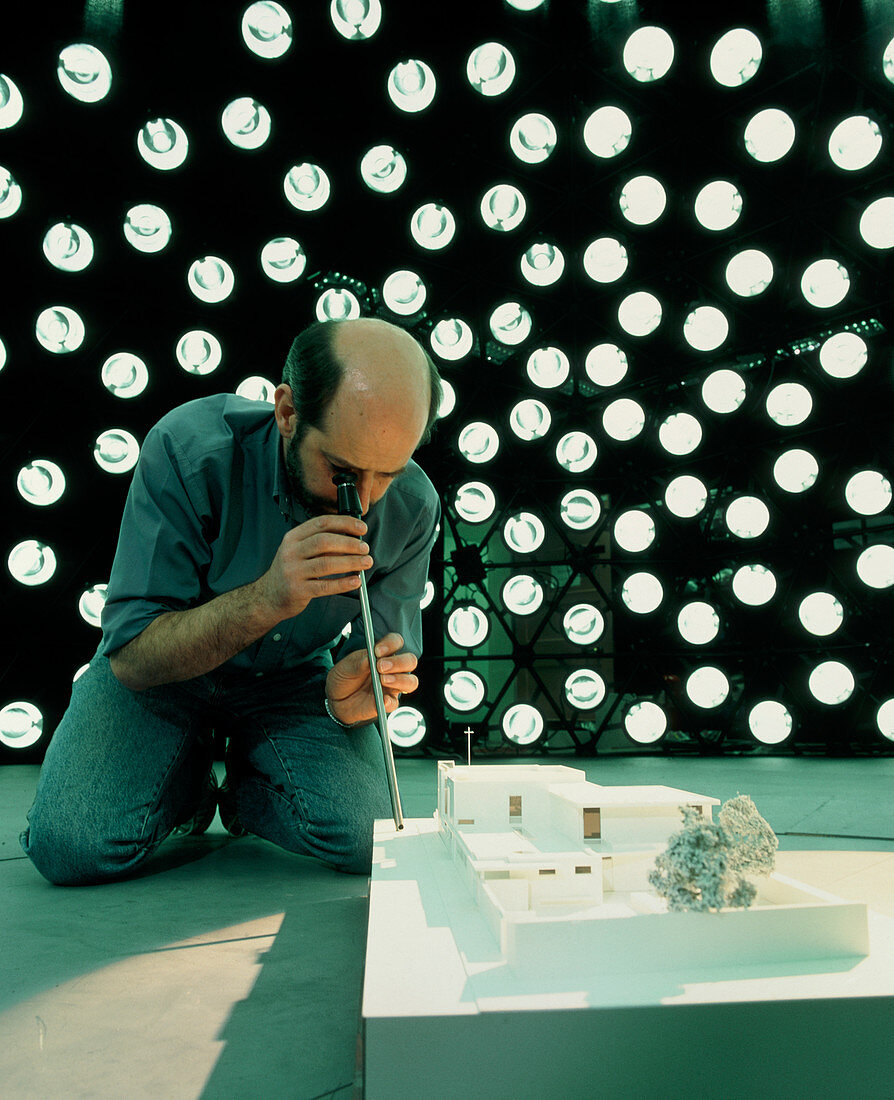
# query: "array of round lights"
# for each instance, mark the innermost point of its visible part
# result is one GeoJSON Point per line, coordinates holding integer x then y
{"type": "Point", "coordinates": [648, 55]}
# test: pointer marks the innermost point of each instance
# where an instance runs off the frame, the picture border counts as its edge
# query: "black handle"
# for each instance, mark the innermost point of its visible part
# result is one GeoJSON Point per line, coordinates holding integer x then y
{"type": "Point", "coordinates": [348, 497]}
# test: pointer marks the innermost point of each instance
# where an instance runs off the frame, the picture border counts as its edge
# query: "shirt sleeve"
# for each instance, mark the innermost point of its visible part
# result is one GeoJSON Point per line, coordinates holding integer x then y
{"type": "Point", "coordinates": [163, 545]}
{"type": "Point", "coordinates": [395, 592]}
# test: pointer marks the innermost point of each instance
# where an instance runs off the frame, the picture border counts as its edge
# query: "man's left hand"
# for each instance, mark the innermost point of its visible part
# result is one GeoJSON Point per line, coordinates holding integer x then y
{"type": "Point", "coordinates": [349, 687]}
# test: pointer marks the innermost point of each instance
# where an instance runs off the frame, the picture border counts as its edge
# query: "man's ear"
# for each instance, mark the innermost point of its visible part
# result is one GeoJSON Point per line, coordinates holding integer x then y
{"type": "Point", "coordinates": [284, 410]}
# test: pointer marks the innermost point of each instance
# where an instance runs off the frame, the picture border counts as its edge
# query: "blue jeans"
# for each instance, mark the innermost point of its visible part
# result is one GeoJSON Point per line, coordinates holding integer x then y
{"type": "Point", "coordinates": [124, 767]}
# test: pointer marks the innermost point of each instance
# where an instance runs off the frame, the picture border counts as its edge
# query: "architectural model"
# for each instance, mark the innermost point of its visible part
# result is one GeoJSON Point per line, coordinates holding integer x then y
{"type": "Point", "coordinates": [552, 861]}
{"type": "Point", "coordinates": [515, 939]}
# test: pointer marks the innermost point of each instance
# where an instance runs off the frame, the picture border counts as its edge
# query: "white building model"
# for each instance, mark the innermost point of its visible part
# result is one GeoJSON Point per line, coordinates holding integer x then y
{"type": "Point", "coordinates": [550, 859]}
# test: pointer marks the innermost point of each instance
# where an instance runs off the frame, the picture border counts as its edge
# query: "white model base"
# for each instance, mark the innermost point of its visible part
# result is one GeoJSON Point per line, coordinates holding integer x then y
{"type": "Point", "coordinates": [663, 1012]}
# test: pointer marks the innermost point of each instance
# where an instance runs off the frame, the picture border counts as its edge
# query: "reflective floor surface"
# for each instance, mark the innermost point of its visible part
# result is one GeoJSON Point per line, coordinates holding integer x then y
{"type": "Point", "coordinates": [231, 969]}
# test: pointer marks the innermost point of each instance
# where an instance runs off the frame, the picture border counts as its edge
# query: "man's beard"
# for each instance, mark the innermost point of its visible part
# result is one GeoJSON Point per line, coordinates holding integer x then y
{"type": "Point", "coordinates": [310, 502]}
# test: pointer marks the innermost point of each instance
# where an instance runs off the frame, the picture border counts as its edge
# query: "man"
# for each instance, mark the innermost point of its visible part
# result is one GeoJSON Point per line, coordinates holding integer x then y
{"type": "Point", "coordinates": [233, 581]}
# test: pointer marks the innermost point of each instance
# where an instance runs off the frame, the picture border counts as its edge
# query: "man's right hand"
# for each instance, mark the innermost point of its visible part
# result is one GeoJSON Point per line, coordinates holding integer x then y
{"type": "Point", "coordinates": [311, 561]}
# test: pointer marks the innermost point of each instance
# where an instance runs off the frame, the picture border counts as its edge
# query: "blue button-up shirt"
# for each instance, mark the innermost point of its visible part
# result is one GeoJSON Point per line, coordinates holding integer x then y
{"type": "Point", "coordinates": [207, 508]}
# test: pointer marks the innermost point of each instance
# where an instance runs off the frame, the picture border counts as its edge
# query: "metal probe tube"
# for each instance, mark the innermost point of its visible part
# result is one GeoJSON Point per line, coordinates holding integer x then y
{"type": "Point", "coordinates": [349, 504]}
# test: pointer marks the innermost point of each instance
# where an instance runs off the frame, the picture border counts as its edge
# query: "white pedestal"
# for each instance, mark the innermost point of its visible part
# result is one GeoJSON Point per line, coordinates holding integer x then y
{"type": "Point", "coordinates": [446, 1014]}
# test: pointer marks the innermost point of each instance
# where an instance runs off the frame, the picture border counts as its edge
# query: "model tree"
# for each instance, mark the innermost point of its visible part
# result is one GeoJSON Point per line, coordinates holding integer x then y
{"type": "Point", "coordinates": [703, 867]}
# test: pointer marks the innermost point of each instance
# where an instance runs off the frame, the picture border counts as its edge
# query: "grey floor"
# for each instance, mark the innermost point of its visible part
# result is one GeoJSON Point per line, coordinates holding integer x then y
{"type": "Point", "coordinates": [232, 969]}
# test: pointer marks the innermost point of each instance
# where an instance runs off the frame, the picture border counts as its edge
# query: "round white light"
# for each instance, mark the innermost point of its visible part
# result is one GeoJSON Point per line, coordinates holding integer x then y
{"type": "Point", "coordinates": [530, 419]}
{"type": "Point", "coordinates": [522, 594]}
{"type": "Point", "coordinates": [548, 367]}
{"type": "Point", "coordinates": [11, 102]}
{"type": "Point", "coordinates": [68, 247]}
{"type": "Point", "coordinates": [648, 54]}
{"type": "Point", "coordinates": [769, 135]}
{"type": "Point", "coordinates": [464, 690]}
{"type": "Point", "coordinates": [523, 724]}
{"type": "Point", "coordinates": [451, 339]}
{"type": "Point", "coordinates": [698, 622]}
{"type": "Point", "coordinates": [623, 419]}
{"type": "Point", "coordinates": [607, 132]}
{"type": "Point", "coordinates": [843, 355]}
{"type": "Point", "coordinates": [283, 260]}
{"type": "Point", "coordinates": [10, 194]}
{"type": "Point", "coordinates": [718, 205]}
{"type": "Point", "coordinates": [877, 223]}
{"type": "Point", "coordinates": [868, 492]}
{"type": "Point", "coordinates": [642, 200]}
{"type": "Point", "coordinates": [267, 29]}
{"type": "Point", "coordinates": [705, 328]}
{"type": "Point", "coordinates": [432, 226]}
{"type": "Point", "coordinates": [875, 566]}
{"type": "Point", "coordinates": [211, 279]}
{"type": "Point", "coordinates": [583, 624]}
{"type": "Point", "coordinates": [736, 57]}
{"type": "Point", "coordinates": [723, 391]}
{"type": "Point", "coordinates": [605, 260]}
{"type": "Point", "coordinates": [383, 169]}
{"type": "Point", "coordinates": [580, 509]}
{"type": "Point", "coordinates": [491, 69]}
{"type": "Point", "coordinates": [503, 208]}
{"type": "Point", "coordinates": [680, 433]}
{"type": "Point", "coordinates": [645, 723]}
{"type": "Point", "coordinates": [749, 273]}
{"type": "Point", "coordinates": [41, 482]}
{"type": "Point", "coordinates": [116, 451]}
{"type": "Point", "coordinates": [884, 719]}
{"type": "Point", "coordinates": [59, 329]}
{"type": "Point", "coordinates": [358, 20]}
{"type": "Point", "coordinates": [199, 352]}
{"type": "Point", "coordinates": [576, 452]}
{"type": "Point", "coordinates": [475, 502]}
{"type": "Point", "coordinates": [404, 293]}
{"type": "Point", "coordinates": [147, 228]}
{"type": "Point", "coordinates": [639, 313]}
{"type": "Point", "coordinates": [124, 375]}
{"type": "Point", "coordinates": [686, 496]}
{"type": "Point", "coordinates": [770, 722]}
{"type": "Point", "coordinates": [245, 123]}
{"type": "Point", "coordinates": [747, 517]}
{"type": "Point", "coordinates": [524, 533]}
{"type": "Point", "coordinates": [542, 264]}
{"type": "Point", "coordinates": [796, 470]}
{"type": "Point", "coordinates": [478, 442]}
{"type": "Point", "coordinates": [855, 143]}
{"type": "Point", "coordinates": [754, 585]}
{"type": "Point", "coordinates": [825, 283]}
{"type": "Point", "coordinates": [585, 689]}
{"type": "Point", "coordinates": [832, 683]}
{"type": "Point", "coordinates": [21, 725]}
{"type": "Point", "coordinates": [84, 72]}
{"type": "Point", "coordinates": [307, 187]}
{"type": "Point", "coordinates": [163, 144]}
{"type": "Point", "coordinates": [31, 562]}
{"type": "Point", "coordinates": [789, 404]}
{"type": "Point", "coordinates": [412, 86]}
{"type": "Point", "coordinates": [708, 687]}
{"type": "Point", "coordinates": [533, 138]}
{"type": "Point", "coordinates": [606, 364]}
{"type": "Point", "coordinates": [821, 613]}
{"type": "Point", "coordinates": [406, 727]}
{"type": "Point", "coordinates": [642, 593]}
{"type": "Point", "coordinates": [634, 531]}
{"type": "Point", "coordinates": [468, 626]}
{"type": "Point", "coordinates": [337, 304]}
{"type": "Point", "coordinates": [511, 323]}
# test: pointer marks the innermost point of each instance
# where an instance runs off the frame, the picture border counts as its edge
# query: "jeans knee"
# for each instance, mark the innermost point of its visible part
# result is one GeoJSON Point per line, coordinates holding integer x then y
{"type": "Point", "coordinates": [66, 858]}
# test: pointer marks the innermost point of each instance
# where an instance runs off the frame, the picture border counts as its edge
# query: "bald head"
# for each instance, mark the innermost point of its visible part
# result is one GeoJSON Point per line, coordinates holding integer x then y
{"type": "Point", "coordinates": [383, 370]}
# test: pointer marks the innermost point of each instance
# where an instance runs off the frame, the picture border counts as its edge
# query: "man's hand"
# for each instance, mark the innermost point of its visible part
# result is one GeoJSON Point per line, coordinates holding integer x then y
{"type": "Point", "coordinates": [309, 561]}
{"type": "Point", "coordinates": [349, 686]}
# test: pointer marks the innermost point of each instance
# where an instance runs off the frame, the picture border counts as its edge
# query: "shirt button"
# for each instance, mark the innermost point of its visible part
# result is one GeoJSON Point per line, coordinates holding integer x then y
{"type": "Point", "coordinates": [277, 637]}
